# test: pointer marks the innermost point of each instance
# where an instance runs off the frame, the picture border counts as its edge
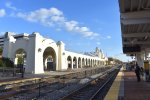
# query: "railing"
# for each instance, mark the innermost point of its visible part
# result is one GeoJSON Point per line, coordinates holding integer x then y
{"type": "Point", "coordinates": [7, 72]}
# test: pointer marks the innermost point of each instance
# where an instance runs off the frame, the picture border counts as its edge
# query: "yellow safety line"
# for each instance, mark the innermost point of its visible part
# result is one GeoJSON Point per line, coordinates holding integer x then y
{"type": "Point", "coordinates": [113, 92]}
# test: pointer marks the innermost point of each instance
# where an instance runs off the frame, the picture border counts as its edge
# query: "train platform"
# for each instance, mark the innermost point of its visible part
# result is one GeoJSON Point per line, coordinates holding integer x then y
{"type": "Point", "coordinates": [126, 87]}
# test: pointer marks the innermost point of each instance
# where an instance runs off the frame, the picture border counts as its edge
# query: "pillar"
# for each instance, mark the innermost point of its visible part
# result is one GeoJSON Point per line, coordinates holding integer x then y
{"type": "Point", "coordinates": [145, 56]}
{"type": "Point", "coordinates": [81, 63]}
{"type": "Point", "coordinates": [140, 59]}
{"type": "Point", "coordinates": [77, 62]}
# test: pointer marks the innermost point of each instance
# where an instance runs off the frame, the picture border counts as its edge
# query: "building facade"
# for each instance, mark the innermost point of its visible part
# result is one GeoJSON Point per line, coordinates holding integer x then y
{"type": "Point", "coordinates": [39, 54]}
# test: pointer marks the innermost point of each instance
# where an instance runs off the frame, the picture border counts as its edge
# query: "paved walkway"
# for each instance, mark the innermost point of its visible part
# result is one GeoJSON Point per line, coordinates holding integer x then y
{"type": "Point", "coordinates": [117, 89]}
{"type": "Point", "coordinates": [129, 88]}
{"type": "Point", "coordinates": [135, 90]}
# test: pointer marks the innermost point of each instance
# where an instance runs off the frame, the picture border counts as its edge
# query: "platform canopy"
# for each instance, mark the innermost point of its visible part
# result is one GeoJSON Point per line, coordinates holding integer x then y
{"type": "Point", "coordinates": [135, 25]}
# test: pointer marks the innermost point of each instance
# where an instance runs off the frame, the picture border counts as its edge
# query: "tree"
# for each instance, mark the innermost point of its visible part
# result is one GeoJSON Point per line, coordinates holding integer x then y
{"type": "Point", "coordinates": [109, 60]}
{"type": "Point", "coordinates": [1, 51]}
{"type": "Point", "coordinates": [6, 62]}
{"type": "Point", "coordinates": [20, 60]}
{"type": "Point", "coordinates": [114, 60]}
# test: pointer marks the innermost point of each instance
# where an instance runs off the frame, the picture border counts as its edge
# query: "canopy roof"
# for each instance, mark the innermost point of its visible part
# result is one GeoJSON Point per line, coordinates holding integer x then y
{"type": "Point", "coordinates": [135, 25]}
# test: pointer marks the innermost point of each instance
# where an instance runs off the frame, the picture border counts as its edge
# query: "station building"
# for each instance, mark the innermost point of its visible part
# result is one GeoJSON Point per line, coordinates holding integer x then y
{"type": "Point", "coordinates": [41, 54]}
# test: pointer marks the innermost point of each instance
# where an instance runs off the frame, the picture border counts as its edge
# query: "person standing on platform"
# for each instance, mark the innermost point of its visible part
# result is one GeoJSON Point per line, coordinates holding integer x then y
{"type": "Point", "coordinates": [137, 72]}
{"type": "Point", "coordinates": [142, 71]}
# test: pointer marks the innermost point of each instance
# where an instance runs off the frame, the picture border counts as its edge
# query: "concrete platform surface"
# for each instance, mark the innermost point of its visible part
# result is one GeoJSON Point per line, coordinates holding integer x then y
{"type": "Point", "coordinates": [135, 90]}
{"type": "Point", "coordinates": [117, 89]}
{"type": "Point", "coordinates": [128, 88]}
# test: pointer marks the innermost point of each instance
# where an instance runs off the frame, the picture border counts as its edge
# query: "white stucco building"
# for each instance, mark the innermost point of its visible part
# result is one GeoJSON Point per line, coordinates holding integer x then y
{"type": "Point", "coordinates": [40, 54]}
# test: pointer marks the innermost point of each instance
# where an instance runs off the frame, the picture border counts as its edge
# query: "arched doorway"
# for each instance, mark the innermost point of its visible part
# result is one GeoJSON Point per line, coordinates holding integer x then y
{"type": "Point", "coordinates": [83, 63]}
{"type": "Point", "coordinates": [69, 59]}
{"type": "Point", "coordinates": [20, 57]}
{"type": "Point", "coordinates": [86, 62]}
{"type": "Point", "coordinates": [95, 63]}
{"type": "Point", "coordinates": [49, 59]}
{"type": "Point", "coordinates": [79, 62]}
{"type": "Point", "coordinates": [74, 62]}
{"type": "Point", "coordinates": [91, 63]}
{"type": "Point", "coordinates": [99, 63]}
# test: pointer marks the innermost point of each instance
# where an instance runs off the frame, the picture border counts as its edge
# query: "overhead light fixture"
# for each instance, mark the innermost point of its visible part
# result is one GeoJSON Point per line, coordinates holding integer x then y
{"type": "Point", "coordinates": [134, 40]}
{"type": "Point", "coordinates": [146, 37]}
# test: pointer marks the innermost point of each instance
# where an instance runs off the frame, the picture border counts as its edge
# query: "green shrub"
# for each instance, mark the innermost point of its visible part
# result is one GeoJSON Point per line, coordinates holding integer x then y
{"type": "Point", "coordinates": [6, 62]}
{"type": "Point", "coordinates": [1, 51]}
{"type": "Point", "coordinates": [20, 60]}
{"type": "Point", "coordinates": [1, 63]}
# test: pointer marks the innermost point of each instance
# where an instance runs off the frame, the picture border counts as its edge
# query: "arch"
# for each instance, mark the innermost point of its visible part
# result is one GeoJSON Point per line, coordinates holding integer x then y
{"type": "Point", "coordinates": [99, 63]}
{"type": "Point", "coordinates": [79, 62]}
{"type": "Point", "coordinates": [20, 57]}
{"type": "Point", "coordinates": [83, 62]}
{"type": "Point", "coordinates": [86, 62]}
{"type": "Point", "coordinates": [69, 60]}
{"type": "Point", "coordinates": [49, 59]}
{"type": "Point", "coordinates": [74, 62]}
{"type": "Point", "coordinates": [95, 63]}
{"type": "Point", "coordinates": [102, 62]}
{"type": "Point", "coordinates": [91, 63]}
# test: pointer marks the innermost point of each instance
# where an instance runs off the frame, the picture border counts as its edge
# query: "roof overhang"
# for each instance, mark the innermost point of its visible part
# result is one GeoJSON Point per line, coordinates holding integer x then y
{"type": "Point", "coordinates": [135, 25]}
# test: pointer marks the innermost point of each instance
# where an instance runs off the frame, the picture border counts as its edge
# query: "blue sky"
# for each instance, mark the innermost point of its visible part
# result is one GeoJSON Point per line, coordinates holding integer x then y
{"type": "Point", "coordinates": [82, 25]}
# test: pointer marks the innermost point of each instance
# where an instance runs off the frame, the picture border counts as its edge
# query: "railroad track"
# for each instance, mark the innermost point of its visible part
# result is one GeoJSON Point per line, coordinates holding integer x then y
{"type": "Point", "coordinates": [20, 88]}
{"type": "Point", "coordinates": [91, 90]}
{"type": "Point", "coordinates": [34, 90]}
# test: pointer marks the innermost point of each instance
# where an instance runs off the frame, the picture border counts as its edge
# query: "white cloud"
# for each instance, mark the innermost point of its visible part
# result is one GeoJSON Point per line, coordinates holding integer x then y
{"type": "Point", "coordinates": [123, 57]}
{"type": "Point", "coordinates": [13, 33]}
{"type": "Point", "coordinates": [2, 33]}
{"type": "Point", "coordinates": [58, 29]}
{"type": "Point", "coordinates": [84, 29]}
{"type": "Point", "coordinates": [54, 17]}
{"type": "Point", "coordinates": [98, 43]}
{"type": "Point", "coordinates": [9, 5]}
{"type": "Point", "coordinates": [47, 17]}
{"type": "Point", "coordinates": [78, 44]}
{"type": "Point", "coordinates": [108, 37]}
{"type": "Point", "coordinates": [2, 12]}
{"type": "Point", "coordinates": [71, 25]}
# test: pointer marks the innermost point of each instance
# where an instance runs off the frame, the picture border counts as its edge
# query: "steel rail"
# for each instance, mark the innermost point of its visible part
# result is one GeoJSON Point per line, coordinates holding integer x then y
{"type": "Point", "coordinates": [103, 86]}
{"type": "Point", "coordinates": [86, 85]}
